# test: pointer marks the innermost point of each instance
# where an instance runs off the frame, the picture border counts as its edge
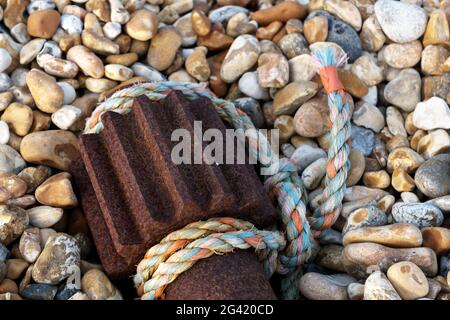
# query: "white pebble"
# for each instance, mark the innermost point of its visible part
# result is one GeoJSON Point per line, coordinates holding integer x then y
{"type": "Point", "coordinates": [147, 72]}
{"type": "Point", "coordinates": [69, 92]}
{"type": "Point", "coordinates": [118, 72]}
{"type": "Point", "coordinates": [371, 96]}
{"type": "Point", "coordinates": [66, 116]}
{"type": "Point", "coordinates": [38, 5]}
{"type": "Point", "coordinates": [19, 76]}
{"type": "Point", "coordinates": [118, 12]}
{"type": "Point", "coordinates": [20, 33]}
{"type": "Point", "coordinates": [248, 84]}
{"type": "Point", "coordinates": [4, 132]}
{"type": "Point", "coordinates": [433, 113]}
{"type": "Point", "coordinates": [5, 60]}
{"type": "Point", "coordinates": [112, 30]}
{"type": "Point", "coordinates": [5, 82]}
{"type": "Point", "coordinates": [71, 24]}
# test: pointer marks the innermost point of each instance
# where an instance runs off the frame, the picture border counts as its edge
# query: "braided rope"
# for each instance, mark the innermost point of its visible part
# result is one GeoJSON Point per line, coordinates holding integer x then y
{"type": "Point", "coordinates": [338, 163]}
{"type": "Point", "coordinates": [285, 185]}
{"type": "Point", "coordinates": [181, 249]}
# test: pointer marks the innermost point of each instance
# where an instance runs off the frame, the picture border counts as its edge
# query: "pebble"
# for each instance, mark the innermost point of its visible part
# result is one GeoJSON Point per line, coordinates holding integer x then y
{"type": "Point", "coordinates": [355, 86]}
{"type": "Point", "coordinates": [59, 67]}
{"type": "Point", "coordinates": [69, 92]}
{"type": "Point", "coordinates": [330, 257]}
{"type": "Point", "coordinates": [39, 292]}
{"type": "Point", "coordinates": [433, 176]}
{"type": "Point", "coordinates": [58, 260]}
{"type": "Point", "coordinates": [30, 50]}
{"type": "Point", "coordinates": [163, 48]}
{"type": "Point", "coordinates": [43, 23]}
{"type": "Point", "coordinates": [378, 287]}
{"type": "Point", "coordinates": [44, 216]}
{"type": "Point", "coordinates": [408, 280]}
{"type": "Point", "coordinates": [312, 118]}
{"type": "Point", "coordinates": [87, 61]}
{"type": "Point", "coordinates": [342, 34]}
{"type": "Point", "coordinates": [369, 216]}
{"type": "Point", "coordinates": [273, 70]}
{"type": "Point", "coordinates": [4, 252]}
{"type": "Point", "coordinates": [420, 214]}
{"type": "Point", "coordinates": [10, 160]}
{"type": "Point", "coordinates": [433, 113]}
{"type": "Point", "coordinates": [301, 68]}
{"type": "Point", "coordinates": [436, 238]}
{"type": "Point", "coordinates": [29, 245]}
{"type": "Point", "coordinates": [200, 23]}
{"type": "Point", "coordinates": [395, 122]}
{"type": "Point", "coordinates": [368, 116]}
{"type": "Point", "coordinates": [293, 44]}
{"type": "Point", "coordinates": [316, 29]}
{"type": "Point", "coordinates": [316, 286]}
{"type": "Point", "coordinates": [404, 158]}
{"type": "Point", "coordinates": [5, 60]}
{"type": "Point", "coordinates": [434, 59]}
{"type": "Point", "coordinates": [57, 191]}
{"type": "Point", "coordinates": [362, 139]}
{"type": "Point", "coordinates": [401, 22]}
{"type": "Point", "coordinates": [434, 143]}
{"type": "Point", "coordinates": [19, 117]}
{"type": "Point", "coordinates": [434, 289]}
{"type": "Point", "coordinates": [377, 179]}
{"type": "Point", "coordinates": [409, 197]}
{"type": "Point", "coordinates": [304, 155]}
{"type": "Point", "coordinates": [142, 26]}
{"type": "Point", "coordinates": [249, 85]}
{"type": "Point", "coordinates": [14, 221]}
{"type": "Point", "coordinates": [5, 84]}
{"type": "Point", "coordinates": [367, 69]}
{"type": "Point", "coordinates": [242, 56]}
{"type": "Point", "coordinates": [403, 55]}
{"type": "Point", "coordinates": [372, 36]}
{"type": "Point", "coordinates": [48, 96]}
{"type": "Point", "coordinates": [355, 291]}
{"type": "Point", "coordinates": [112, 30]}
{"type": "Point", "coordinates": [283, 11]}
{"type": "Point", "coordinates": [252, 108]}
{"type": "Point", "coordinates": [358, 257]}
{"type": "Point", "coordinates": [398, 235]}
{"type": "Point", "coordinates": [15, 268]}
{"type": "Point", "coordinates": [197, 64]}
{"type": "Point", "coordinates": [55, 148]}
{"type": "Point", "coordinates": [313, 174]}
{"type": "Point", "coordinates": [8, 285]}
{"type": "Point", "coordinates": [345, 11]}
{"type": "Point", "coordinates": [289, 99]}
{"type": "Point", "coordinates": [357, 167]}
{"type": "Point", "coordinates": [98, 287]}
{"type": "Point", "coordinates": [71, 24]}
{"type": "Point", "coordinates": [442, 203]}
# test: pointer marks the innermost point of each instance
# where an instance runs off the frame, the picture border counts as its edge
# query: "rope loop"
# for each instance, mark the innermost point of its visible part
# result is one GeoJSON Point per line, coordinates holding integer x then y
{"type": "Point", "coordinates": [178, 251]}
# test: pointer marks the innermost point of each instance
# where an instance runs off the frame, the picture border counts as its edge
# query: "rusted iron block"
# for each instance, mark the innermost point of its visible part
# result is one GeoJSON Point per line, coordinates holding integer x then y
{"type": "Point", "coordinates": [133, 194]}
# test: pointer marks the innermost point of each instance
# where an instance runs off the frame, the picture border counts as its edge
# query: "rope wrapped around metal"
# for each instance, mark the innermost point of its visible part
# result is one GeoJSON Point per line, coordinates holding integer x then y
{"type": "Point", "coordinates": [285, 255]}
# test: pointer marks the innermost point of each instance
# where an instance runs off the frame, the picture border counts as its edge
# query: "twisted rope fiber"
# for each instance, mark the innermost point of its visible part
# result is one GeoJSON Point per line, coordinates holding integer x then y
{"type": "Point", "coordinates": [179, 251]}
{"type": "Point", "coordinates": [286, 185]}
{"type": "Point", "coordinates": [338, 163]}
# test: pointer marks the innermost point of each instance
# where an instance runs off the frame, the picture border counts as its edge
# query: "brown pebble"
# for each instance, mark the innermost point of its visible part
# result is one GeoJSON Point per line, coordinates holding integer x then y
{"type": "Point", "coordinates": [282, 12]}
{"type": "Point", "coordinates": [43, 23]}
